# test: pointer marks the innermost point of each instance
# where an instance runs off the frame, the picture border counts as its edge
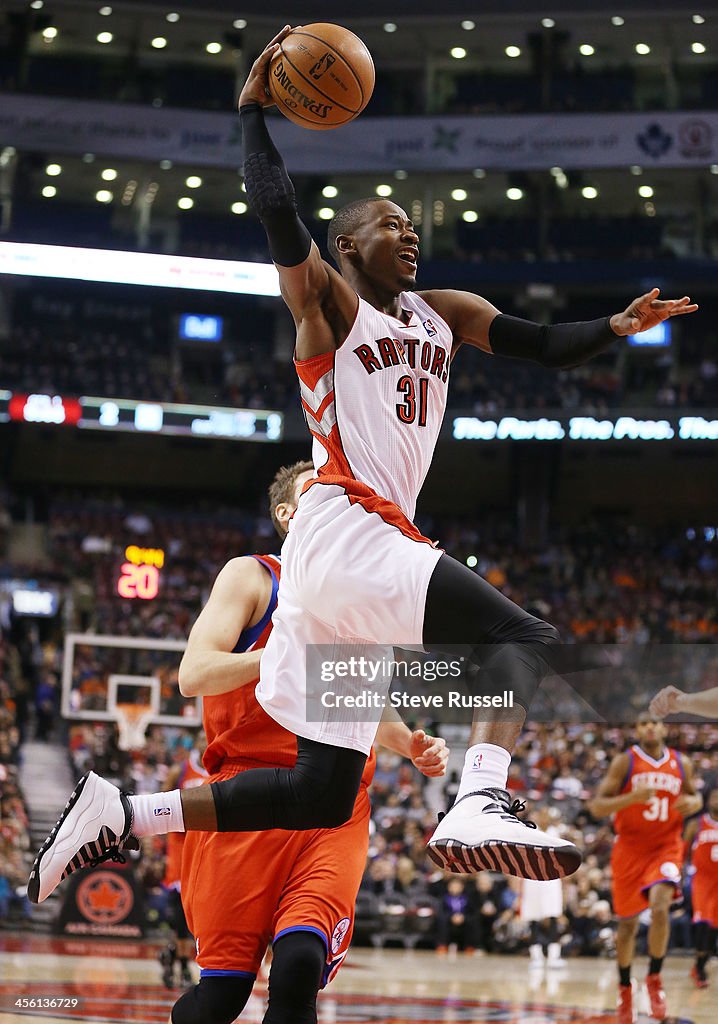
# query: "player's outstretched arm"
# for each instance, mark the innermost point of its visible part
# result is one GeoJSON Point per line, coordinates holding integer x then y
{"type": "Point", "coordinates": [609, 798]}
{"type": "Point", "coordinates": [209, 666]}
{"type": "Point", "coordinates": [670, 701]}
{"type": "Point", "coordinates": [476, 322]}
{"type": "Point", "coordinates": [309, 286]}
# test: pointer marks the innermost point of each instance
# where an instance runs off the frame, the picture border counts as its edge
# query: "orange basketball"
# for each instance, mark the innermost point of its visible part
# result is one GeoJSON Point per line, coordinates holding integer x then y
{"type": "Point", "coordinates": [322, 76]}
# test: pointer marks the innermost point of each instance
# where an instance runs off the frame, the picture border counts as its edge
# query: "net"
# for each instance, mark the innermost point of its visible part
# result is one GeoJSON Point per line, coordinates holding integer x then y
{"type": "Point", "coordinates": [132, 722]}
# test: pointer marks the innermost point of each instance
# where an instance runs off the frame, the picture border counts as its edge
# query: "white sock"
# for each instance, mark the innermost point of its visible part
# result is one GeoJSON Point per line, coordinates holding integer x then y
{"type": "Point", "coordinates": [485, 765]}
{"type": "Point", "coordinates": [155, 814]}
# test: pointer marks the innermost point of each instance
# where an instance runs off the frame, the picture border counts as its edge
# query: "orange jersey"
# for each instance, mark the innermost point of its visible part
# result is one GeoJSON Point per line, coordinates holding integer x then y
{"type": "Point", "coordinates": [191, 774]}
{"type": "Point", "coordinates": [240, 733]}
{"type": "Point", "coordinates": [704, 851]}
{"type": "Point", "coordinates": [656, 822]}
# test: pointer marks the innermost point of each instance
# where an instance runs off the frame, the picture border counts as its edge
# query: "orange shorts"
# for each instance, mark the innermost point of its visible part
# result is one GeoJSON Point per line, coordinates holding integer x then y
{"type": "Point", "coordinates": [243, 890]}
{"type": "Point", "coordinates": [636, 869]}
{"type": "Point", "coordinates": [704, 893]}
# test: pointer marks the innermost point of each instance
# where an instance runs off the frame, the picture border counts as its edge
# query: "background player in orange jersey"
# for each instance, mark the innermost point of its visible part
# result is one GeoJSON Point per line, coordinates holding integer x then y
{"type": "Point", "coordinates": [242, 891]}
{"type": "Point", "coordinates": [702, 841]}
{"type": "Point", "coordinates": [186, 774]}
{"type": "Point", "coordinates": [649, 790]}
{"type": "Point", "coordinates": [373, 356]}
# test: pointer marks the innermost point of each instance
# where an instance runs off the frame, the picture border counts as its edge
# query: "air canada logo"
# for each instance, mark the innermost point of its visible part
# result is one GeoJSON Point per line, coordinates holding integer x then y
{"type": "Point", "coordinates": [322, 66]}
{"type": "Point", "coordinates": [105, 897]}
{"type": "Point", "coordinates": [696, 139]}
{"type": "Point", "coordinates": [655, 141]}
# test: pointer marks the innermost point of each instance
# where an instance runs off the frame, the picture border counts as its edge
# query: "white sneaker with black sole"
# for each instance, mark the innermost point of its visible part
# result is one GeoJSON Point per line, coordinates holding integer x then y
{"type": "Point", "coordinates": [482, 833]}
{"type": "Point", "coordinates": [94, 827]}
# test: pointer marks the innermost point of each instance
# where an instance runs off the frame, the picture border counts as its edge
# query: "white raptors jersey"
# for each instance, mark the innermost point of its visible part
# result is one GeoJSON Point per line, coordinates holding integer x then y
{"type": "Point", "coordinates": [375, 405]}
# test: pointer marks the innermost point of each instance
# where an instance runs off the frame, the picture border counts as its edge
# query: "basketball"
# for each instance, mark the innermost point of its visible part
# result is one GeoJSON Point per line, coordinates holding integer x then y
{"type": "Point", "coordinates": [322, 76]}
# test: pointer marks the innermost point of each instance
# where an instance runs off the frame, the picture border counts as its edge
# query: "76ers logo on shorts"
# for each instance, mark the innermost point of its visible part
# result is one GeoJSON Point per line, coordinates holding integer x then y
{"type": "Point", "coordinates": [339, 934]}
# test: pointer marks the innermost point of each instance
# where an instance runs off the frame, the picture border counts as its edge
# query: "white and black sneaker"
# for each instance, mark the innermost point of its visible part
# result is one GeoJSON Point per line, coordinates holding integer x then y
{"type": "Point", "coordinates": [482, 833]}
{"type": "Point", "coordinates": [94, 827]}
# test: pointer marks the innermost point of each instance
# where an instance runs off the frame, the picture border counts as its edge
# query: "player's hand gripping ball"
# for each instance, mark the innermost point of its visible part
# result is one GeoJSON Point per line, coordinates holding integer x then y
{"type": "Point", "coordinates": [321, 76]}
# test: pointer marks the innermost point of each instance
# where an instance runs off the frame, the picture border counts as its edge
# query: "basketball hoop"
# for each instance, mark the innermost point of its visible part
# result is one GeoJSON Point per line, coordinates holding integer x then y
{"type": "Point", "coordinates": [132, 721]}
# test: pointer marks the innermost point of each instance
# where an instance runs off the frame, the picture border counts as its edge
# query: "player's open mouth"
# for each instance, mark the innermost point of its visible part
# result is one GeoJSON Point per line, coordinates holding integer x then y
{"type": "Point", "coordinates": [410, 256]}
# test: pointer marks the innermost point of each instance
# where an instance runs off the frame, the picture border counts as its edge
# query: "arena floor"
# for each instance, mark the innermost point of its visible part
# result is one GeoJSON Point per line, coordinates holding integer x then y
{"type": "Point", "coordinates": [117, 982]}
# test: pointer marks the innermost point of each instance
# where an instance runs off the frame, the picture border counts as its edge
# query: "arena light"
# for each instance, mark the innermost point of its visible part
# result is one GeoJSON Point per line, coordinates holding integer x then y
{"type": "Point", "coordinates": [103, 195]}
{"type": "Point", "coordinates": [617, 20]}
{"type": "Point", "coordinates": [589, 192]}
{"type": "Point", "coordinates": [698, 19]}
{"type": "Point", "coordinates": [173, 17]}
{"type": "Point", "coordinates": [479, 172]}
{"type": "Point", "coordinates": [643, 49]}
{"type": "Point", "coordinates": [213, 48]}
{"type": "Point", "coordinates": [325, 213]}
{"type": "Point", "coordinates": [389, 26]}
{"type": "Point", "coordinates": [514, 194]}
{"type": "Point", "coordinates": [586, 50]}
{"type": "Point", "coordinates": [458, 52]}
{"type": "Point", "coordinates": [194, 181]}
{"type": "Point", "coordinates": [401, 175]}
{"type": "Point", "coordinates": [645, 191]}
{"type": "Point", "coordinates": [52, 170]}
{"type": "Point", "coordinates": [698, 47]}
{"type": "Point", "coordinates": [513, 51]}
{"type": "Point", "coordinates": [330, 191]}
{"type": "Point", "coordinates": [105, 12]}
{"type": "Point", "coordinates": [185, 202]}
{"type": "Point", "coordinates": [104, 38]}
{"type": "Point", "coordinates": [714, 168]}
{"type": "Point", "coordinates": [384, 191]}
{"type": "Point", "coordinates": [49, 33]}
{"type": "Point", "coordinates": [468, 25]}
{"type": "Point", "coordinates": [166, 165]}
{"type": "Point", "coordinates": [37, 5]}
{"type": "Point", "coordinates": [472, 561]}
{"type": "Point", "coordinates": [49, 192]}
{"type": "Point", "coordinates": [114, 266]}
{"type": "Point", "coordinates": [239, 23]}
{"type": "Point", "coordinates": [459, 194]}
{"type": "Point", "coordinates": [470, 216]}
{"type": "Point", "coordinates": [548, 22]}
{"type": "Point", "coordinates": [636, 169]}
{"type": "Point", "coordinates": [158, 43]}
{"type": "Point", "coordinates": [239, 208]}
{"type": "Point", "coordinates": [108, 174]}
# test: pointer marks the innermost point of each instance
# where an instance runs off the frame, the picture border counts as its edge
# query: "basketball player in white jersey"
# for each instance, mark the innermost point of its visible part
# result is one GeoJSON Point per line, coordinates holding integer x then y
{"type": "Point", "coordinates": [373, 359]}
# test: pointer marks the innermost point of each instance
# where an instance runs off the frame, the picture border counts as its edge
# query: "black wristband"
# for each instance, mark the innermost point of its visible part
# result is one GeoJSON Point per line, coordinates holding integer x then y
{"type": "Point", "coordinates": [559, 346]}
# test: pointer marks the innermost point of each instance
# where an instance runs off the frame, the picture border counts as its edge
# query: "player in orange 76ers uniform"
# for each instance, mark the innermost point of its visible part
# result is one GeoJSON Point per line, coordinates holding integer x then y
{"type": "Point", "coordinates": [649, 790]}
{"type": "Point", "coordinates": [702, 840]}
{"type": "Point", "coordinates": [242, 891]}
{"type": "Point", "coordinates": [186, 774]}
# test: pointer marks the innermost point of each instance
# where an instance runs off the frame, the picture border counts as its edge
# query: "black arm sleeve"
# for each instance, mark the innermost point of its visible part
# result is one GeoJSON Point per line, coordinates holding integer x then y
{"type": "Point", "coordinates": [271, 192]}
{"type": "Point", "coordinates": [559, 346]}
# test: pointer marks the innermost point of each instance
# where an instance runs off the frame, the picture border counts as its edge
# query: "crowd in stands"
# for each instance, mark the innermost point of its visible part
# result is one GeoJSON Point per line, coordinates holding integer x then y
{"type": "Point", "coordinates": [71, 346]}
{"type": "Point", "coordinates": [14, 834]}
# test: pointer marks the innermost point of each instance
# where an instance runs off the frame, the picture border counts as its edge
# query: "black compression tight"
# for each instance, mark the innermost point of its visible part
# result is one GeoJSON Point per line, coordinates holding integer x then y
{"type": "Point", "coordinates": [294, 979]}
{"type": "Point", "coordinates": [508, 652]}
